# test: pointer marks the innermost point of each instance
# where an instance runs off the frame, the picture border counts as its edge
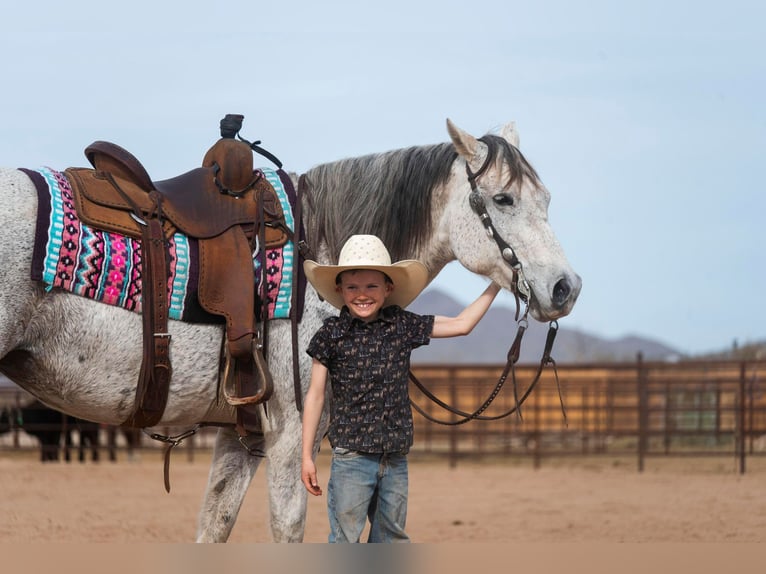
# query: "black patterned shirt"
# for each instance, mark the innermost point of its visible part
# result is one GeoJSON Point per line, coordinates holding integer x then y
{"type": "Point", "coordinates": [369, 365]}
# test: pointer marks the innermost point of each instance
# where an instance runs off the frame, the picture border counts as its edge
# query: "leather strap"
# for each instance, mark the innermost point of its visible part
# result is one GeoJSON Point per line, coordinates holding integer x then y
{"type": "Point", "coordinates": [156, 370]}
{"type": "Point", "coordinates": [247, 419]}
{"type": "Point", "coordinates": [298, 390]}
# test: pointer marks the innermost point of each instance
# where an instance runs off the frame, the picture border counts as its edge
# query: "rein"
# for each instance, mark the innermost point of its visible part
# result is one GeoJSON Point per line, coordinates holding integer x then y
{"type": "Point", "coordinates": [512, 358]}
{"type": "Point", "coordinates": [521, 291]}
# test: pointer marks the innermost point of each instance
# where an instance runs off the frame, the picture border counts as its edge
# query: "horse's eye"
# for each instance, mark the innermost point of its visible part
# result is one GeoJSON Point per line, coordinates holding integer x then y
{"type": "Point", "coordinates": [503, 199]}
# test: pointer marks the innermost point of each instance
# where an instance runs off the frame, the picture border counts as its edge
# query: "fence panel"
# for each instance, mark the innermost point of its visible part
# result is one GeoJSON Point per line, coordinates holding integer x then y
{"type": "Point", "coordinates": [642, 409]}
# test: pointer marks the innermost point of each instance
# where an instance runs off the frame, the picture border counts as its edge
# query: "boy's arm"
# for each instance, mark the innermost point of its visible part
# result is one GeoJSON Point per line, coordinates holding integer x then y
{"type": "Point", "coordinates": [468, 317]}
{"type": "Point", "coordinates": [312, 412]}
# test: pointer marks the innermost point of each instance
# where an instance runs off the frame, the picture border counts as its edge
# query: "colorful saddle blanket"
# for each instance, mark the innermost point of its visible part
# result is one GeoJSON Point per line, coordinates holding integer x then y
{"type": "Point", "coordinates": [106, 266]}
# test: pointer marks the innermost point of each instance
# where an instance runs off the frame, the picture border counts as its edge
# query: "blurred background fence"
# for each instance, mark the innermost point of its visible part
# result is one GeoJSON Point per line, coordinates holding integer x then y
{"type": "Point", "coordinates": [641, 410]}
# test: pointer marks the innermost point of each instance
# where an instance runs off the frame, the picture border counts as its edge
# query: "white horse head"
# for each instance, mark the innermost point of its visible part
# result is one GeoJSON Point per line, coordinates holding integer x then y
{"type": "Point", "coordinates": [517, 203]}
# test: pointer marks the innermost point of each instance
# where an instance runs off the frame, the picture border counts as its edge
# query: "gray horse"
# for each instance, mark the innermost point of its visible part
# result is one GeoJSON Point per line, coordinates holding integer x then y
{"type": "Point", "coordinates": [83, 357]}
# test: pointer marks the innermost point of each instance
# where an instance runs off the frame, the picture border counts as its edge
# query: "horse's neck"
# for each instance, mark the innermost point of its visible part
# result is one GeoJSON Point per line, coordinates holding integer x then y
{"type": "Point", "coordinates": [434, 251]}
{"type": "Point", "coordinates": [437, 252]}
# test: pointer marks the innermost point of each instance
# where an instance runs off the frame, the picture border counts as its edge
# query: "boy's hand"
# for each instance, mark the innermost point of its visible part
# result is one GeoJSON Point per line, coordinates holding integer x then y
{"type": "Point", "coordinates": [309, 478]}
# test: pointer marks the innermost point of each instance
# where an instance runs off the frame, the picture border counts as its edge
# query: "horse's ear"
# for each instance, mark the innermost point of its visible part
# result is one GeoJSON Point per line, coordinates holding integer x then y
{"type": "Point", "coordinates": [466, 145]}
{"type": "Point", "coordinates": [509, 134]}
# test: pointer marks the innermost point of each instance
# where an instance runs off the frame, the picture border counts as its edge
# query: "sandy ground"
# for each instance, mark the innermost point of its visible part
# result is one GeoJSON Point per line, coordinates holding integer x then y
{"type": "Point", "coordinates": [595, 500]}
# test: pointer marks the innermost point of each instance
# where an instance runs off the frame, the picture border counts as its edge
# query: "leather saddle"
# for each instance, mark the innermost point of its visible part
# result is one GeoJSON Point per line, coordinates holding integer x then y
{"type": "Point", "coordinates": [229, 208]}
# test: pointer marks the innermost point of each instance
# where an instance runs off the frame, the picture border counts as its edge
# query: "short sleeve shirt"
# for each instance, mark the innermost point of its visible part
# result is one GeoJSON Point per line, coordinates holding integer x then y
{"type": "Point", "coordinates": [369, 367]}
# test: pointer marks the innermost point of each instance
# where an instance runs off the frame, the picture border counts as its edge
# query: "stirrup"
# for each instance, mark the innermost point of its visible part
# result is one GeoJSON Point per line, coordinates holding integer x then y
{"type": "Point", "coordinates": [240, 378]}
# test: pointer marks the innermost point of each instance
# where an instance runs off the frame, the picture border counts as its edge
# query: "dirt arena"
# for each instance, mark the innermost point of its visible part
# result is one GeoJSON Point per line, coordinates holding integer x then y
{"type": "Point", "coordinates": [595, 500]}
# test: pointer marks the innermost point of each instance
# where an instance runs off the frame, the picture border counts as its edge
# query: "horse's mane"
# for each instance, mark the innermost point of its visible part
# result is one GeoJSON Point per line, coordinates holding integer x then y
{"type": "Point", "coordinates": [388, 194]}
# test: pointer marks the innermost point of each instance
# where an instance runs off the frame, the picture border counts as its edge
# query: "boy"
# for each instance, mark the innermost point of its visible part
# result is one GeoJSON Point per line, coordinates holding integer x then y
{"type": "Point", "coordinates": [366, 351]}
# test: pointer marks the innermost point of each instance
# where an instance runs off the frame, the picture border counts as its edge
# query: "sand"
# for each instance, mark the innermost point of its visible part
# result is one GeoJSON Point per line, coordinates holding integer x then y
{"type": "Point", "coordinates": [501, 501]}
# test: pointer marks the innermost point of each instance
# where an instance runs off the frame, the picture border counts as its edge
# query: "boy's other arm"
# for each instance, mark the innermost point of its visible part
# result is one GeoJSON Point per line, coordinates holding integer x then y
{"type": "Point", "coordinates": [468, 317]}
{"type": "Point", "coordinates": [312, 412]}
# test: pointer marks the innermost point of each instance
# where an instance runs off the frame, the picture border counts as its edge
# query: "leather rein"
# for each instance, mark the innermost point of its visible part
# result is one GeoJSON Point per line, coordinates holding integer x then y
{"type": "Point", "coordinates": [521, 291]}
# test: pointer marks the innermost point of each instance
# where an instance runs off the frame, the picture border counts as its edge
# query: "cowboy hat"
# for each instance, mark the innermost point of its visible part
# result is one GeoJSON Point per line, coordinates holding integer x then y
{"type": "Point", "coordinates": [409, 276]}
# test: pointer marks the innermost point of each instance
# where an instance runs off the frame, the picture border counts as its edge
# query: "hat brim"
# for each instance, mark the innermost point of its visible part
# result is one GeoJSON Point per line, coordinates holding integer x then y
{"type": "Point", "coordinates": [410, 277]}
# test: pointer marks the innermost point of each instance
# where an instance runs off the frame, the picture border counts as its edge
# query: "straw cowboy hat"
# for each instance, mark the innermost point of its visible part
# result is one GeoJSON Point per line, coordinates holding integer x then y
{"type": "Point", "coordinates": [410, 277]}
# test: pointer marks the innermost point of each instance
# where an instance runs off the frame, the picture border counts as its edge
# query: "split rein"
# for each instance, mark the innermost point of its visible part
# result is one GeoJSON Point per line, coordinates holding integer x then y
{"type": "Point", "coordinates": [510, 368]}
{"type": "Point", "coordinates": [521, 290]}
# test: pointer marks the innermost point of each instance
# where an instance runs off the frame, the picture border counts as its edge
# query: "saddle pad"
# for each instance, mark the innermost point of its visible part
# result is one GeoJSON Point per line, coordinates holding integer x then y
{"type": "Point", "coordinates": [279, 262]}
{"type": "Point", "coordinates": [106, 267]}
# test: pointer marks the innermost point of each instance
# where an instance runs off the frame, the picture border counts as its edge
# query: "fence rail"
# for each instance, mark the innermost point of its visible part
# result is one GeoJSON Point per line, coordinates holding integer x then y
{"type": "Point", "coordinates": [639, 409]}
{"type": "Point", "coordinates": [642, 409]}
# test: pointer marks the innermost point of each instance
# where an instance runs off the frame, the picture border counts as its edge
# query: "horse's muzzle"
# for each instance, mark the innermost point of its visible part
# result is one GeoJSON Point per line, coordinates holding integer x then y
{"type": "Point", "coordinates": [565, 292]}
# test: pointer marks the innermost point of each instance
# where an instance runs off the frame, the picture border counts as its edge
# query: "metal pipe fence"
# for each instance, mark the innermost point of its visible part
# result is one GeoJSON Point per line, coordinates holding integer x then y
{"type": "Point", "coordinates": [26, 425]}
{"type": "Point", "coordinates": [636, 409]}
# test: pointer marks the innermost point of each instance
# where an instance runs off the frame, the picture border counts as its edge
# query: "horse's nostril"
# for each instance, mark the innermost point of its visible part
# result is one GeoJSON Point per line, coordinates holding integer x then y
{"type": "Point", "coordinates": [561, 291]}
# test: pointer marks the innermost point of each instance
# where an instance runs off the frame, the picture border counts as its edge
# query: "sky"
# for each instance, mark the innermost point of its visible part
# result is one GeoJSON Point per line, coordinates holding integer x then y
{"type": "Point", "coordinates": [645, 120]}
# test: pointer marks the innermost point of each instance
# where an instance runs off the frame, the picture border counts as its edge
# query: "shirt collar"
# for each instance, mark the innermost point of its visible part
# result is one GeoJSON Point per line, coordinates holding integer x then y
{"type": "Point", "coordinates": [387, 315]}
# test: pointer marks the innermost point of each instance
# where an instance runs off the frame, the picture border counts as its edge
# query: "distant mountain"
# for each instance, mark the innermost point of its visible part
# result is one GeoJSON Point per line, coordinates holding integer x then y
{"type": "Point", "coordinates": [490, 340]}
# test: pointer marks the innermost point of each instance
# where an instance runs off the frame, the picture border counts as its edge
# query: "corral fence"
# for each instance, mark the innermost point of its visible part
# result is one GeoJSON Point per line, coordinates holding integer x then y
{"type": "Point", "coordinates": [27, 425]}
{"type": "Point", "coordinates": [641, 410]}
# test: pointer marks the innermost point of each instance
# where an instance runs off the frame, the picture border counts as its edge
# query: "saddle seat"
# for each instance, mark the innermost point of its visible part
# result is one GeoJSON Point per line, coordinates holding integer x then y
{"type": "Point", "coordinates": [191, 202]}
{"type": "Point", "coordinates": [226, 206]}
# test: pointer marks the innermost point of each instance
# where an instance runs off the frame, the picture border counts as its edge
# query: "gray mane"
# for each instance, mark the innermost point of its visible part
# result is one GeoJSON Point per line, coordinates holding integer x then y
{"type": "Point", "coordinates": [388, 194]}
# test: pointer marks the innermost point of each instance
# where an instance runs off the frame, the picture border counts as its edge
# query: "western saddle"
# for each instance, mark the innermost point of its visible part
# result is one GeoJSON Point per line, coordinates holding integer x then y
{"type": "Point", "coordinates": [229, 208]}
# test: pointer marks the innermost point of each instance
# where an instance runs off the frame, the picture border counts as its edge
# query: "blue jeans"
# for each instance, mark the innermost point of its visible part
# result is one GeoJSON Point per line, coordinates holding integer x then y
{"type": "Point", "coordinates": [367, 486]}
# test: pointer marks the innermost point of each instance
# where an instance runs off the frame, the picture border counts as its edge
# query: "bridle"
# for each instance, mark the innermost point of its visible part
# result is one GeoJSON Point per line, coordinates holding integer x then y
{"type": "Point", "coordinates": [519, 284]}
{"type": "Point", "coordinates": [521, 291]}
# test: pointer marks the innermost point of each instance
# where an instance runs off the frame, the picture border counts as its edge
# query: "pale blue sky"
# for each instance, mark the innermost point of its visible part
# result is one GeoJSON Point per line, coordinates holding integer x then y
{"type": "Point", "coordinates": [645, 119]}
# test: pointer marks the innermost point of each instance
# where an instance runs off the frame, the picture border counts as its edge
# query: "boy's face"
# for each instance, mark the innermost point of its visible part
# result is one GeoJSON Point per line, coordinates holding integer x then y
{"type": "Point", "coordinates": [364, 292]}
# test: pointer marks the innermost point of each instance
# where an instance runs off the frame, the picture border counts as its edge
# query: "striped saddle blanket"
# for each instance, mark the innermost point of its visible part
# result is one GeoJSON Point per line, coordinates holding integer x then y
{"type": "Point", "coordinates": [106, 266]}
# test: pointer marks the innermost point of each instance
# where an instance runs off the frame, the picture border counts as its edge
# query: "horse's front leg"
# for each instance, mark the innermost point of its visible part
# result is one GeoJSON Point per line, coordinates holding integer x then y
{"type": "Point", "coordinates": [287, 495]}
{"type": "Point", "coordinates": [231, 471]}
